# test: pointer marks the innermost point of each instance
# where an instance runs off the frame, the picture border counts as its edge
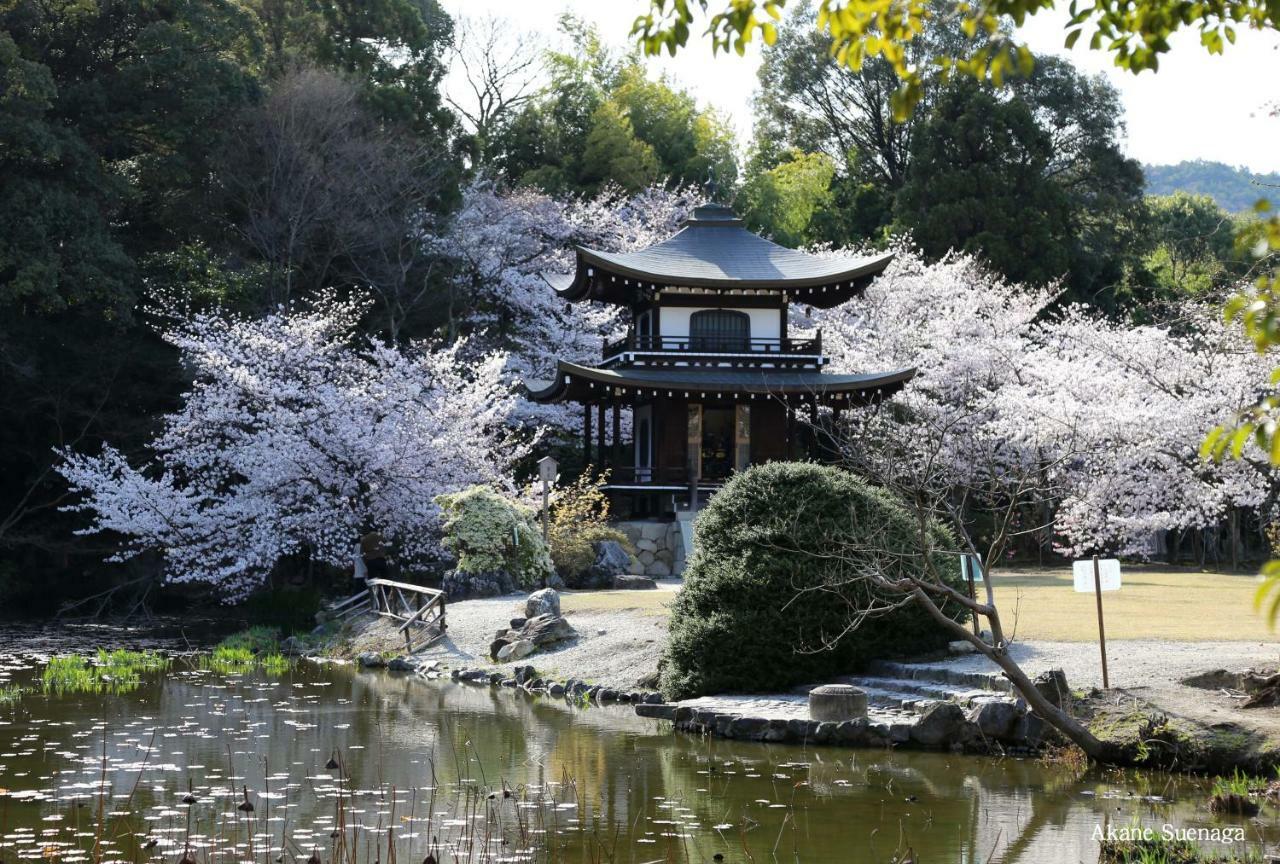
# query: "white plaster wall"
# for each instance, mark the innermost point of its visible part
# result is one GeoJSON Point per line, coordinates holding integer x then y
{"type": "Point", "coordinates": [674, 321]}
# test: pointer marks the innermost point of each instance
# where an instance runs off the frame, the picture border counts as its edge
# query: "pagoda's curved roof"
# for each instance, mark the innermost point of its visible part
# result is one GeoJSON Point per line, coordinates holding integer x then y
{"type": "Point", "coordinates": [713, 251]}
{"type": "Point", "coordinates": [577, 383]}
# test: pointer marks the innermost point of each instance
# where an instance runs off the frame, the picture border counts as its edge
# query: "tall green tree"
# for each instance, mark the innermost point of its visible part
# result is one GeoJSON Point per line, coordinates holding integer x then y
{"type": "Point", "coordinates": [1193, 245]}
{"type": "Point", "coordinates": [979, 183]}
{"type": "Point", "coordinates": [113, 116]}
{"type": "Point", "coordinates": [601, 119]}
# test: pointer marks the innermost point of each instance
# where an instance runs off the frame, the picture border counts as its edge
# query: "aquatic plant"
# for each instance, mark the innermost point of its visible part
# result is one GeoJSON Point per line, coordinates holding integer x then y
{"type": "Point", "coordinates": [239, 660]}
{"type": "Point", "coordinates": [1158, 850]}
{"type": "Point", "coordinates": [276, 663]}
{"type": "Point", "coordinates": [230, 660]}
{"type": "Point", "coordinates": [1232, 795]}
{"type": "Point", "coordinates": [10, 695]}
{"type": "Point", "coordinates": [258, 639]}
{"type": "Point", "coordinates": [116, 671]}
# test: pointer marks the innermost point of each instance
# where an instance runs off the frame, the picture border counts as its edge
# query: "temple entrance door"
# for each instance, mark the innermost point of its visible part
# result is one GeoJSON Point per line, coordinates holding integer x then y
{"type": "Point", "coordinates": [718, 440]}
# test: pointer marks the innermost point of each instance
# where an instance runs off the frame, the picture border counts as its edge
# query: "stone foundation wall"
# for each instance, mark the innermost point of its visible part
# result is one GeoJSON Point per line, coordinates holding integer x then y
{"type": "Point", "coordinates": [659, 549]}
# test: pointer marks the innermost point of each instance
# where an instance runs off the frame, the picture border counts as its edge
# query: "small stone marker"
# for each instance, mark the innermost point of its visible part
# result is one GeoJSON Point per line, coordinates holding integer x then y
{"type": "Point", "coordinates": [834, 703]}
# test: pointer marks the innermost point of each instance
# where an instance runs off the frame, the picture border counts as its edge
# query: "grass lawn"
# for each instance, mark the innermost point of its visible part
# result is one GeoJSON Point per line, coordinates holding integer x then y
{"type": "Point", "coordinates": [1152, 603]}
{"type": "Point", "coordinates": [643, 602]}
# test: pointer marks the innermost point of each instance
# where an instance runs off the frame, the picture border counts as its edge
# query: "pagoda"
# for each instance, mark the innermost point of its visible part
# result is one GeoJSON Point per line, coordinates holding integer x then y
{"type": "Point", "coordinates": [708, 369]}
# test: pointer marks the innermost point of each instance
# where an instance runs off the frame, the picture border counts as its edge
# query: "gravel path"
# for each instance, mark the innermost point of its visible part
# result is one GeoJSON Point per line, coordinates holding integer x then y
{"type": "Point", "coordinates": [1131, 663]}
{"type": "Point", "coordinates": [617, 645]}
{"type": "Point", "coordinates": [614, 647]}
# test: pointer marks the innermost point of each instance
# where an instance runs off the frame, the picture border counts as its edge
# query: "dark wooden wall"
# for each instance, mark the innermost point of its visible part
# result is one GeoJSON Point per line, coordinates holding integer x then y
{"type": "Point", "coordinates": [768, 431]}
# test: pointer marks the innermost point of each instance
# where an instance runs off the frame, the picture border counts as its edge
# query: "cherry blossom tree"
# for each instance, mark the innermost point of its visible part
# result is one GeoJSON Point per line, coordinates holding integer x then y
{"type": "Point", "coordinates": [1079, 429]}
{"type": "Point", "coordinates": [505, 243]}
{"type": "Point", "coordinates": [299, 436]}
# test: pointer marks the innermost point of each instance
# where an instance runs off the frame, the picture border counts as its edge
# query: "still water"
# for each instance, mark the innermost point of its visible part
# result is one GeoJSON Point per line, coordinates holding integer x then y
{"type": "Point", "coordinates": [492, 775]}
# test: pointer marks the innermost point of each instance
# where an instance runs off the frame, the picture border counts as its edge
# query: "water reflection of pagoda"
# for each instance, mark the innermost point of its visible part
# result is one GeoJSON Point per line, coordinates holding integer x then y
{"type": "Point", "coordinates": [708, 368]}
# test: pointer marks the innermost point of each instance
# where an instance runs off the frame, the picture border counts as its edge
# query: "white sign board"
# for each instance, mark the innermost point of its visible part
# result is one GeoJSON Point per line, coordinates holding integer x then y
{"type": "Point", "coordinates": [1108, 575]}
{"type": "Point", "coordinates": [971, 565]}
{"type": "Point", "coordinates": [547, 469]}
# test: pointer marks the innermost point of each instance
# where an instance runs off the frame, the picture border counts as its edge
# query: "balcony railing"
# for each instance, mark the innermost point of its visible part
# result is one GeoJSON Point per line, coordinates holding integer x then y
{"type": "Point", "coordinates": [716, 345]}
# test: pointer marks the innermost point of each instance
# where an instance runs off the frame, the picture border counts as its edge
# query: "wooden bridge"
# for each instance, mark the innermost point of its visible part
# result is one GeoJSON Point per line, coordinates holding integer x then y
{"type": "Point", "coordinates": [414, 606]}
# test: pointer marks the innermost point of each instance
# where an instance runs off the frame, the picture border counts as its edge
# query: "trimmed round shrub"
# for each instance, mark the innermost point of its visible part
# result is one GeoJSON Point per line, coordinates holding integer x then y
{"type": "Point", "coordinates": [775, 593]}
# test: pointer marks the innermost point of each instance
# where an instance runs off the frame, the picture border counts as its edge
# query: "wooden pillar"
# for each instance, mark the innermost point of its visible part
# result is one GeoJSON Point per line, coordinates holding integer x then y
{"type": "Point", "coordinates": [617, 434]}
{"type": "Point", "coordinates": [790, 433]}
{"type": "Point", "coordinates": [600, 436]}
{"type": "Point", "coordinates": [586, 434]}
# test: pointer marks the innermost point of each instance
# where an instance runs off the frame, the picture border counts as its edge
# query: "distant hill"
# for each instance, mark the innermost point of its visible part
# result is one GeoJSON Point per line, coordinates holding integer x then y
{"type": "Point", "coordinates": [1235, 189]}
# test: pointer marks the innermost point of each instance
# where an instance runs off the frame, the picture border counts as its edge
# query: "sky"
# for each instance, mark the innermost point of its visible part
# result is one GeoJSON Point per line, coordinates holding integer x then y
{"type": "Point", "coordinates": [1198, 106]}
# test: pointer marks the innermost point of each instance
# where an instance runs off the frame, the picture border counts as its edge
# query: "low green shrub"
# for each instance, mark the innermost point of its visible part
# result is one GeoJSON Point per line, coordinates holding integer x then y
{"type": "Point", "coordinates": [489, 533]}
{"type": "Point", "coordinates": [773, 585]}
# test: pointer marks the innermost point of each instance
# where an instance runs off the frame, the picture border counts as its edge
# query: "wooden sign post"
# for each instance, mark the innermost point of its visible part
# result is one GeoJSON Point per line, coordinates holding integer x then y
{"type": "Point", "coordinates": [1098, 576]}
{"type": "Point", "coordinates": [971, 570]}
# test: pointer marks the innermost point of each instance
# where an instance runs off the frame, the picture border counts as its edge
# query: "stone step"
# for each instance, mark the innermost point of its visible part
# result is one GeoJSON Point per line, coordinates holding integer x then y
{"type": "Point", "coordinates": [923, 691]}
{"type": "Point", "coordinates": [940, 674]}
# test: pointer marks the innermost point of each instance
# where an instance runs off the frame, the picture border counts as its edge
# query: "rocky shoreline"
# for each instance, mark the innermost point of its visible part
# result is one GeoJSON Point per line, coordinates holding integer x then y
{"type": "Point", "coordinates": [993, 728]}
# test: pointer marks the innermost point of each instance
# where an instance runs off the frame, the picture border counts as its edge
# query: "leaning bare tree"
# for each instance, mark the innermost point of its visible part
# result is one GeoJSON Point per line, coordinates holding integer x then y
{"type": "Point", "coordinates": [496, 76]}
{"type": "Point", "coordinates": [949, 474]}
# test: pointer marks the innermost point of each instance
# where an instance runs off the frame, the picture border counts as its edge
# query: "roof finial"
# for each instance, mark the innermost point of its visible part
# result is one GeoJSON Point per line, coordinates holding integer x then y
{"type": "Point", "coordinates": [713, 187]}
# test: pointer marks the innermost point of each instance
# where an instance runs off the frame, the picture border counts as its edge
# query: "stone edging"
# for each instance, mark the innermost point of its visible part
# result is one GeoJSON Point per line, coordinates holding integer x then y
{"type": "Point", "coordinates": [848, 733]}
{"type": "Point", "coordinates": [959, 735]}
{"type": "Point", "coordinates": [526, 678]}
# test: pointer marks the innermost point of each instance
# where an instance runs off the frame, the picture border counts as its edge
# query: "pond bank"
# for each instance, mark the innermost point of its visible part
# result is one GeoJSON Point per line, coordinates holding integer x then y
{"type": "Point", "coordinates": [621, 636]}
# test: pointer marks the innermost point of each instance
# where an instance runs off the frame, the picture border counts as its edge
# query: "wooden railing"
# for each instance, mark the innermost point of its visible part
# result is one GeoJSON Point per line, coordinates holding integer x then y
{"type": "Point", "coordinates": [809, 346]}
{"type": "Point", "coordinates": [414, 606]}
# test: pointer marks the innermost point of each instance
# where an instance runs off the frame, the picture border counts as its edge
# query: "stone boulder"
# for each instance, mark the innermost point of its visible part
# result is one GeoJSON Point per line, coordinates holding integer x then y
{"type": "Point", "coordinates": [628, 582]}
{"type": "Point", "coordinates": [941, 724]}
{"type": "Point", "coordinates": [544, 602]}
{"type": "Point", "coordinates": [402, 664]}
{"type": "Point", "coordinates": [833, 703]}
{"type": "Point", "coordinates": [1052, 685]}
{"type": "Point", "coordinates": [293, 647]}
{"type": "Point", "coordinates": [540, 631]}
{"type": "Point", "coordinates": [371, 660]}
{"type": "Point", "coordinates": [547, 630]}
{"type": "Point", "coordinates": [611, 560]}
{"type": "Point", "coordinates": [457, 585]}
{"type": "Point", "coordinates": [995, 719]}
{"type": "Point", "coordinates": [517, 650]}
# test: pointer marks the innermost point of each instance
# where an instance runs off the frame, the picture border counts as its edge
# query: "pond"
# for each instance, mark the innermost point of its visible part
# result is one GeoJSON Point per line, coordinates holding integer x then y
{"type": "Point", "coordinates": [332, 760]}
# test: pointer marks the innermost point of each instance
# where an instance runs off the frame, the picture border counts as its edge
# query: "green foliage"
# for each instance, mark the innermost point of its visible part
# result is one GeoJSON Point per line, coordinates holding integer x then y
{"type": "Point", "coordinates": [1135, 32]}
{"type": "Point", "coordinates": [1234, 189]}
{"type": "Point", "coordinates": [245, 652]}
{"type": "Point", "coordinates": [781, 202]}
{"type": "Point", "coordinates": [1158, 850]}
{"type": "Point", "coordinates": [487, 532]}
{"type": "Point", "coordinates": [774, 584]}
{"type": "Point", "coordinates": [113, 119]}
{"type": "Point", "coordinates": [10, 695]}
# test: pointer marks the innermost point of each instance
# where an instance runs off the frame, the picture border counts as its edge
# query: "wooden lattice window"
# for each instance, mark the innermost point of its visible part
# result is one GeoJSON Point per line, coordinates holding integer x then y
{"type": "Point", "coordinates": [720, 330]}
